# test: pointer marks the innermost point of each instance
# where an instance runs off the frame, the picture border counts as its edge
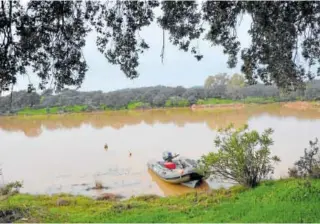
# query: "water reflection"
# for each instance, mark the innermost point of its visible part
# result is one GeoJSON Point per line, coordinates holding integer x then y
{"type": "Point", "coordinates": [175, 189]}
{"type": "Point", "coordinates": [32, 126]}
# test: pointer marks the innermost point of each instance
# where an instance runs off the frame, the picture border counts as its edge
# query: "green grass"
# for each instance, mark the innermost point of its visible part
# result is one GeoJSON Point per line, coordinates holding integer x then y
{"type": "Point", "coordinates": [273, 201]}
{"type": "Point", "coordinates": [177, 103]}
{"type": "Point", "coordinates": [215, 101]}
{"type": "Point", "coordinates": [30, 111]}
{"type": "Point", "coordinates": [261, 100]}
{"type": "Point", "coordinates": [137, 105]}
{"type": "Point", "coordinates": [75, 108]}
{"type": "Point", "coordinates": [105, 107]}
{"type": "Point", "coordinates": [52, 110]}
{"type": "Point", "coordinates": [248, 100]}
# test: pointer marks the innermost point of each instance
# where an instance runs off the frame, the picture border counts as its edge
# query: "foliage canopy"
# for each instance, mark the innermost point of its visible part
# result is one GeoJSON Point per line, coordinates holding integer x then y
{"type": "Point", "coordinates": [49, 36]}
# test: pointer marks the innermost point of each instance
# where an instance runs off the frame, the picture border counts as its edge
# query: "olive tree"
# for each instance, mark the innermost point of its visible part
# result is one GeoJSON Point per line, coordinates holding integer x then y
{"type": "Point", "coordinates": [242, 156]}
{"type": "Point", "coordinates": [234, 86]}
{"type": "Point", "coordinates": [159, 100]}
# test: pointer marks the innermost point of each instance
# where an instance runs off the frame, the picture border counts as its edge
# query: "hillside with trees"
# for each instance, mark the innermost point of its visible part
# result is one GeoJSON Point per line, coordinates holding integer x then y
{"type": "Point", "coordinates": [220, 87]}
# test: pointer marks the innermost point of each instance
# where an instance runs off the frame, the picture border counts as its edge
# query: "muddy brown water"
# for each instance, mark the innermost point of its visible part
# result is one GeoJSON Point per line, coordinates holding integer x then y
{"type": "Point", "coordinates": [65, 153]}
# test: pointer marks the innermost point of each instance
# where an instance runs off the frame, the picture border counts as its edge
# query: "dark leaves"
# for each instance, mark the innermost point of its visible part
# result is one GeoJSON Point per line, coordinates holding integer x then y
{"type": "Point", "coordinates": [118, 27]}
{"type": "Point", "coordinates": [49, 36]}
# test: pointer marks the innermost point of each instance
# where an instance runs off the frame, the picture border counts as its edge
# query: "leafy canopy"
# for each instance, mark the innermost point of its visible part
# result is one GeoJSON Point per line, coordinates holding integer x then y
{"type": "Point", "coordinates": [48, 36]}
{"type": "Point", "coordinates": [242, 156]}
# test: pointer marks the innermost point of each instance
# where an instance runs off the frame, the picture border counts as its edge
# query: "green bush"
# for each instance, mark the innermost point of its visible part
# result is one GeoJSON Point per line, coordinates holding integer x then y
{"type": "Point", "coordinates": [309, 164]}
{"type": "Point", "coordinates": [168, 103]}
{"type": "Point", "coordinates": [137, 105]}
{"type": "Point", "coordinates": [242, 156]}
{"type": "Point", "coordinates": [177, 102]}
{"type": "Point", "coordinates": [11, 188]}
{"type": "Point", "coordinates": [104, 107]}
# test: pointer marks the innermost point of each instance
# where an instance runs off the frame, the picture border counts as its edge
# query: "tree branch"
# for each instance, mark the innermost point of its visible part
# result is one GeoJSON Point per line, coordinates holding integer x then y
{"type": "Point", "coordinates": [163, 45]}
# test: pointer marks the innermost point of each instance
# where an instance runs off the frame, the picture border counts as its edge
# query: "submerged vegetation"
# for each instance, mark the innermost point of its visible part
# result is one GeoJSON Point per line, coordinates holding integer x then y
{"type": "Point", "coordinates": [290, 200]}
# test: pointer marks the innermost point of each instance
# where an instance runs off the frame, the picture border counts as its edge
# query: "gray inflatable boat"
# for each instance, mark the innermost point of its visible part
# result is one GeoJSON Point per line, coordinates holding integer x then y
{"type": "Point", "coordinates": [181, 171]}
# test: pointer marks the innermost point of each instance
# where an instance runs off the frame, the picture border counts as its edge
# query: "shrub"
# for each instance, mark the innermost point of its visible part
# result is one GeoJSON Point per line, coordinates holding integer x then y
{"type": "Point", "coordinates": [293, 172]}
{"type": "Point", "coordinates": [183, 103]}
{"type": "Point", "coordinates": [243, 156]}
{"type": "Point", "coordinates": [10, 188]}
{"type": "Point", "coordinates": [98, 184]}
{"type": "Point", "coordinates": [309, 164]}
{"type": "Point", "coordinates": [168, 103]}
{"type": "Point", "coordinates": [138, 105]}
{"type": "Point", "coordinates": [177, 102]}
{"type": "Point", "coordinates": [134, 105]}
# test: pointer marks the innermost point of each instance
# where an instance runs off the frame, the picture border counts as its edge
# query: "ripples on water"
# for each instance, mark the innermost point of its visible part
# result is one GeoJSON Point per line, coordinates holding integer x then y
{"type": "Point", "coordinates": [65, 153]}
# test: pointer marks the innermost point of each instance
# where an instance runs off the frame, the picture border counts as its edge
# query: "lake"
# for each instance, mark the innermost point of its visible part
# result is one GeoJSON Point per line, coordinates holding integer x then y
{"type": "Point", "coordinates": [65, 153]}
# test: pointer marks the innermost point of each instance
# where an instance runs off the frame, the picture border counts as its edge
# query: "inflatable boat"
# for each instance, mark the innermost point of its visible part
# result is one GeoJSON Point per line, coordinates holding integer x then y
{"type": "Point", "coordinates": [176, 171]}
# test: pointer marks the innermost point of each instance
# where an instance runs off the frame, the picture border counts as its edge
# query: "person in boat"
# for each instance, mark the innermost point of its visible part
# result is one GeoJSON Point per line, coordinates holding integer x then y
{"type": "Point", "coordinates": [168, 156]}
{"type": "Point", "coordinates": [168, 160]}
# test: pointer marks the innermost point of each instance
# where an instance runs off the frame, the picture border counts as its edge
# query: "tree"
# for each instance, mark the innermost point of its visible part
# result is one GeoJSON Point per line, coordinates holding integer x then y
{"type": "Point", "coordinates": [234, 86]}
{"type": "Point", "coordinates": [216, 80]}
{"type": "Point", "coordinates": [243, 156]}
{"type": "Point", "coordinates": [159, 100]}
{"type": "Point", "coordinates": [215, 86]}
{"type": "Point", "coordinates": [47, 92]}
{"type": "Point", "coordinates": [49, 36]}
{"type": "Point", "coordinates": [237, 80]}
{"type": "Point", "coordinates": [309, 164]}
{"type": "Point", "coordinates": [192, 95]}
{"type": "Point", "coordinates": [177, 101]}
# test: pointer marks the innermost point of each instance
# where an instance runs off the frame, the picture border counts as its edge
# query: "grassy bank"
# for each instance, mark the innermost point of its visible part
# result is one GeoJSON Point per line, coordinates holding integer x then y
{"type": "Point", "coordinates": [140, 105]}
{"type": "Point", "coordinates": [53, 110]}
{"type": "Point", "coordinates": [273, 201]}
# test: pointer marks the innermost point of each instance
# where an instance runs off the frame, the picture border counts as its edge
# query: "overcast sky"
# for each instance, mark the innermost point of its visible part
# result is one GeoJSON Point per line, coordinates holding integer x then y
{"type": "Point", "coordinates": [179, 68]}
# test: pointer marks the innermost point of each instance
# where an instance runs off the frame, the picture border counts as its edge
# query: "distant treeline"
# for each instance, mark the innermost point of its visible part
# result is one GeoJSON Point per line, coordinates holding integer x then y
{"type": "Point", "coordinates": [148, 97]}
